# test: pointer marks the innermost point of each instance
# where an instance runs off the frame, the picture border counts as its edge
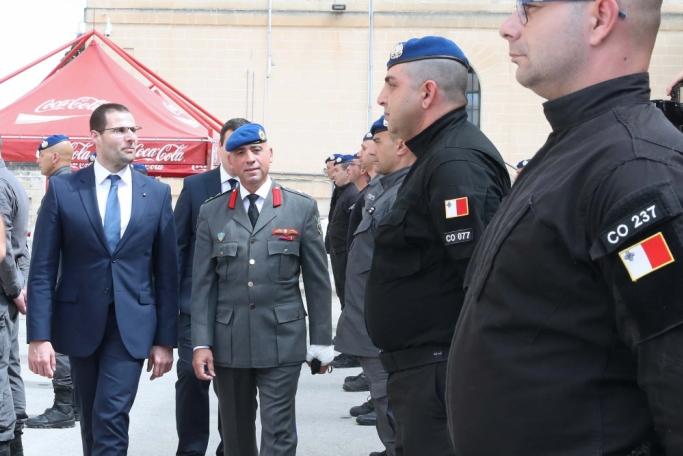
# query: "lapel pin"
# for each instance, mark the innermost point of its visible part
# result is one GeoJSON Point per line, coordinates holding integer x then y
{"type": "Point", "coordinates": [220, 236]}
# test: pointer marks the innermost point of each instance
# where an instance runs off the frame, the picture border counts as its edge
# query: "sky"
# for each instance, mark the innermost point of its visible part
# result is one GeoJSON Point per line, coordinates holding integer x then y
{"type": "Point", "coordinates": [29, 29]}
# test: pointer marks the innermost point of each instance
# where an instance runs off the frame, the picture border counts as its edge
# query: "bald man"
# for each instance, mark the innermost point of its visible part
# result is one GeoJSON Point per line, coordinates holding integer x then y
{"type": "Point", "coordinates": [54, 156]}
{"type": "Point", "coordinates": [570, 340]}
{"type": "Point", "coordinates": [54, 159]}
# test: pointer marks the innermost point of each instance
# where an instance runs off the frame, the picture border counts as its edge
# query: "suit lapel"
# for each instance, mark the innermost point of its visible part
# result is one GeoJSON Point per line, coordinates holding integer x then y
{"type": "Point", "coordinates": [212, 183]}
{"type": "Point", "coordinates": [138, 206]}
{"type": "Point", "coordinates": [88, 196]}
{"type": "Point", "coordinates": [267, 211]}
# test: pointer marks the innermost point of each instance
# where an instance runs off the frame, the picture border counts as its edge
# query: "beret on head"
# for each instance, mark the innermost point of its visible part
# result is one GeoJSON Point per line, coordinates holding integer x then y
{"type": "Point", "coordinates": [379, 125]}
{"type": "Point", "coordinates": [251, 133]}
{"type": "Point", "coordinates": [51, 141]}
{"type": "Point", "coordinates": [343, 159]}
{"type": "Point", "coordinates": [427, 47]}
{"type": "Point", "coordinates": [331, 158]}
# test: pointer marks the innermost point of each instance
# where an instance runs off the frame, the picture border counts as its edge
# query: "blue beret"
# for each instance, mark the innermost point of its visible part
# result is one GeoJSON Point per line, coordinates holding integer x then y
{"type": "Point", "coordinates": [331, 158]}
{"type": "Point", "coordinates": [378, 126]}
{"type": "Point", "coordinates": [428, 47]}
{"type": "Point", "coordinates": [251, 133]}
{"type": "Point", "coordinates": [343, 159]}
{"type": "Point", "coordinates": [51, 141]}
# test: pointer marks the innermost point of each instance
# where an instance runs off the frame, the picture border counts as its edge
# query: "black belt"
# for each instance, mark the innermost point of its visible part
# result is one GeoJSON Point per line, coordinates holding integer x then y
{"type": "Point", "coordinates": [412, 357]}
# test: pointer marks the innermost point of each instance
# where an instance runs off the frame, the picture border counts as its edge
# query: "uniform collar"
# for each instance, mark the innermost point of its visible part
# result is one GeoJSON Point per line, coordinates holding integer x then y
{"type": "Point", "coordinates": [391, 179]}
{"type": "Point", "coordinates": [585, 104]}
{"type": "Point", "coordinates": [262, 190]}
{"type": "Point", "coordinates": [421, 143]}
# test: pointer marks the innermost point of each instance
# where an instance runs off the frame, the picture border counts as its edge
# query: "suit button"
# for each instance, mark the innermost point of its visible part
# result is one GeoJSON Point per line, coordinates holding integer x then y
{"type": "Point", "coordinates": [252, 305]}
{"type": "Point", "coordinates": [286, 250]}
{"type": "Point", "coordinates": [252, 261]}
{"type": "Point", "coordinates": [114, 260]}
{"type": "Point", "coordinates": [250, 284]}
{"type": "Point", "coordinates": [252, 240]}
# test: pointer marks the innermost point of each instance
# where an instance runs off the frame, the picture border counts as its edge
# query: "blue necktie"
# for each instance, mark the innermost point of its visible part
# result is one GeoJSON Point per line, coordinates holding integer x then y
{"type": "Point", "coordinates": [112, 214]}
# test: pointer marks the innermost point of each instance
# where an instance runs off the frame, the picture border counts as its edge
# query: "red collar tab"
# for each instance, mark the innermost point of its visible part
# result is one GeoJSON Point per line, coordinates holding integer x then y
{"type": "Point", "coordinates": [233, 199]}
{"type": "Point", "coordinates": [277, 196]}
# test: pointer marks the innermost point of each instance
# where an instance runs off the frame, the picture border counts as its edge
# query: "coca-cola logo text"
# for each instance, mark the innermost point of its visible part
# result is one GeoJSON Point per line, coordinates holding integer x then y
{"type": "Point", "coordinates": [174, 153]}
{"type": "Point", "coordinates": [166, 153]}
{"type": "Point", "coordinates": [70, 104]}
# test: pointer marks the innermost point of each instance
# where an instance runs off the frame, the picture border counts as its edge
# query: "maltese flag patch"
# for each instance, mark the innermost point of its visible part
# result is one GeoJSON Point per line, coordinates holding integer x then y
{"type": "Point", "coordinates": [458, 207]}
{"type": "Point", "coordinates": [646, 256]}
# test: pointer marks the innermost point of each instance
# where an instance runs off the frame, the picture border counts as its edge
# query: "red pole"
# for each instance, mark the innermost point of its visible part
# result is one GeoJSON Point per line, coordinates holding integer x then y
{"type": "Point", "coordinates": [45, 57]}
{"type": "Point", "coordinates": [163, 83]}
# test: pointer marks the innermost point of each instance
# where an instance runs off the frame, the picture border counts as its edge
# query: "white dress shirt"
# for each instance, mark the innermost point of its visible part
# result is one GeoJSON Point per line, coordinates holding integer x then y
{"type": "Point", "coordinates": [125, 192]}
{"type": "Point", "coordinates": [262, 193]}
{"type": "Point", "coordinates": [225, 179]}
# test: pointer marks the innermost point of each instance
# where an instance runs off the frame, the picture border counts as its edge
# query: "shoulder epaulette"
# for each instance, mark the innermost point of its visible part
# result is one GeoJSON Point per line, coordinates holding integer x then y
{"type": "Point", "coordinates": [216, 196]}
{"type": "Point", "coordinates": [296, 192]}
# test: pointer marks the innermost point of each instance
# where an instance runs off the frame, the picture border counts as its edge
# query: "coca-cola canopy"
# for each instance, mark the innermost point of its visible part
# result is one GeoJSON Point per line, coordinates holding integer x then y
{"type": "Point", "coordinates": [172, 142]}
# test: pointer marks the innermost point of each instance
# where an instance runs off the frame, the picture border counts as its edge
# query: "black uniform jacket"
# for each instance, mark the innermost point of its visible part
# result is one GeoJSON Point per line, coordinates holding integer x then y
{"type": "Point", "coordinates": [570, 339]}
{"type": "Point", "coordinates": [338, 227]}
{"type": "Point", "coordinates": [423, 245]}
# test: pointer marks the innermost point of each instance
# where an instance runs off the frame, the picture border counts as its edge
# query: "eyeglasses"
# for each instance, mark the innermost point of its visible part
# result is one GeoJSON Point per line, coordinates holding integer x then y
{"type": "Point", "coordinates": [522, 7]}
{"type": "Point", "coordinates": [120, 131]}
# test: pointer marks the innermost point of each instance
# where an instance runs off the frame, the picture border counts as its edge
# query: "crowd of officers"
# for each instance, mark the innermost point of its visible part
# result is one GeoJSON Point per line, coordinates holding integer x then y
{"type": "Point", "coordinates": [543, 318]}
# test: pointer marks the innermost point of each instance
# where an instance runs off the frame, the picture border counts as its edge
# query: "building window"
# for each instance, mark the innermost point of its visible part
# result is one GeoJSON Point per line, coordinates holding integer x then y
{"type": "Point", "coordinates": [473, 98]}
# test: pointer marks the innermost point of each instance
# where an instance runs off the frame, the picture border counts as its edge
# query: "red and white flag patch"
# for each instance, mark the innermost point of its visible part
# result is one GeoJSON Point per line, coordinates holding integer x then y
{"type": "Point", "coordinates": [646, 256]}
{"type": "Point", "coordinates": [458, 207]}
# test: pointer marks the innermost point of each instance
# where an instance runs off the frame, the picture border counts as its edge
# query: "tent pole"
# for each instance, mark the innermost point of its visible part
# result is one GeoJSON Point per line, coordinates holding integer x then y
{"type": "Point", "coordinates": [45, 57]}
{"type": "Point", "coordinates": [72, 52]}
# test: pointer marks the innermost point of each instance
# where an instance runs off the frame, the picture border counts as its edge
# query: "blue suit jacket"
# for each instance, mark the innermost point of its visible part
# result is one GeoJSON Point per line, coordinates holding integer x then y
{"type": "Point", "coordinates": [196, 190]}
{"type": "Point", "coordinates": [139, 277]}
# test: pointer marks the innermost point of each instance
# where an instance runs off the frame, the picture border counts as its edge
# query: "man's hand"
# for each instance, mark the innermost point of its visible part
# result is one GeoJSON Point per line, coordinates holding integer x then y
{"type": "Point", "coordinates": [160, 361]}
{"type": "Point", "coordinates": [202, 363]}
{"type": "Point", "coordinates": [41, 358]}
{"type": "Point", "coordinates": [20, 301]}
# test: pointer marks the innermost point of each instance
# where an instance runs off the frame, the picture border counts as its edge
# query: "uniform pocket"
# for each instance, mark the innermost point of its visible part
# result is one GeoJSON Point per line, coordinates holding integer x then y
{"type": "Point", "coordinates": [291, 333]}
{"type": "Point", "coordinates": [224, 253]}
{"type": "Point", "coordinates": [283, 260]}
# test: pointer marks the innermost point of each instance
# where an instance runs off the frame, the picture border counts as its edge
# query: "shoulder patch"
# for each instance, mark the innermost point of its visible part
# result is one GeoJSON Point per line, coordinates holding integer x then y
{"type": "Point", "coordinates": [637, 213]}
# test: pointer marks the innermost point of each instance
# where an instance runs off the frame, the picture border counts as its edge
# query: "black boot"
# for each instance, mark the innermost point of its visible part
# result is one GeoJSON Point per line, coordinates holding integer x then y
{"type": "Point", "coordinates": [60, 415]}
{"type": "Point", "coordinates": [16, 448]}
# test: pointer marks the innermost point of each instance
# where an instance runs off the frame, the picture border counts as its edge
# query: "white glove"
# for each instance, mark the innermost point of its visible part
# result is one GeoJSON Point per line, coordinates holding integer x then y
{"type": "Point", "coordinates": [325, 353]}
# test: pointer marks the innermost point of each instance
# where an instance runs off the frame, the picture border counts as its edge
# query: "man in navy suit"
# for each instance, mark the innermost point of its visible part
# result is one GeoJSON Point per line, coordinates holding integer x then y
{"type": "Point", "coordinates": [192, 394]}
{"type": "Point", "coordinates": [110, 234]}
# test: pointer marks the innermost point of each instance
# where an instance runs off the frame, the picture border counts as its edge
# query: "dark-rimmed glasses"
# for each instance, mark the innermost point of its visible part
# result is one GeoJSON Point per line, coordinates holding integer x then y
{"type": "Point", "coordinates": [523, 13]}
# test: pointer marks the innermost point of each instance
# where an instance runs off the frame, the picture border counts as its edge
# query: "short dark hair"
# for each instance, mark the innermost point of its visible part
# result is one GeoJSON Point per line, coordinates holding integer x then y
{"type": "Point", "coordinates": [232, 124]}
{"type": "Point", "coordinates": [98, 118]}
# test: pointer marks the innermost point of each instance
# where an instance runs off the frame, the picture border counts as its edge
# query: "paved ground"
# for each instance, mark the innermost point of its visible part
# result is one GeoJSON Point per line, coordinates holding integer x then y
{"type": "Point", "coordinates": [324, 426]}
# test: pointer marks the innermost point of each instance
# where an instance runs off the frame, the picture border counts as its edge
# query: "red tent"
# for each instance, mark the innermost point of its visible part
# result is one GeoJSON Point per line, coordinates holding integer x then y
{"type": "Point", "coordinates": [177, 135]}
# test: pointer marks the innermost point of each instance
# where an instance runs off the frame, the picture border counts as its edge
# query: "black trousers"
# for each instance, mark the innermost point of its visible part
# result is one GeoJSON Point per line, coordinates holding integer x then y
{"type": "Point", "coordinates": [191, 400]}
{"type": "Point", "coordinates": [416, 396]}
{"type": "Point", "coordinates": [338, 261]}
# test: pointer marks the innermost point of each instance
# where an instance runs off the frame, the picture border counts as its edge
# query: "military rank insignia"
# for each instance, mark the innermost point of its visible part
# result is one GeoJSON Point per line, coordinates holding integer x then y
{"type": "Point", "coordinates": [646, 256]}
{"type": "Point", "coordinates": [458, 207]}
